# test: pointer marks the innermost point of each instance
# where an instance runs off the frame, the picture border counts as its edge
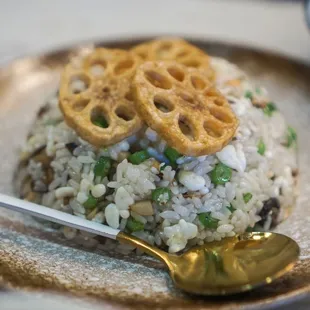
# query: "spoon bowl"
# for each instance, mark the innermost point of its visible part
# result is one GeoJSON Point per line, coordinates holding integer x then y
{"type": "Point", "coordinates": [229, 266]}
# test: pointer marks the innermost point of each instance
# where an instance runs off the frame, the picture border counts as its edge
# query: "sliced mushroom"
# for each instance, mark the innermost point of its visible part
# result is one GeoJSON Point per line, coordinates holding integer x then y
{"type": "Point", "coordinates": [143, 208]}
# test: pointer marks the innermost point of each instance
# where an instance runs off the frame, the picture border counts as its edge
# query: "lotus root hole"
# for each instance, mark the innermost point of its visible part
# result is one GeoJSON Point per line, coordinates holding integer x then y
{"type": "Point", "coordinates": [124, 113]}
{"type": "Point", "coordinates": [163, 105]}
{"type": "Point", "coordinates": [98, 118]}
{"type": "Point", "coordinates": [182, 54]}
{"type": "Point", "coordinates": [80, 105]}
{"type": "Point", "coordinates": [163, 50]}
{"type": "Point", "coordinates": [129, 96]}
{"type": "Point", "coordinates": [192, 63]}
{"type": "Point", "coordinates": [186, 128]}
{"type": "Point", "coordinates": [176, 73]}
{"type": "Point", "coordinates": [142, 54]}
{"type": "Point", "coordinates": [123, 66]}
{"type": "Point", "coordinates": [198, 83]}
{"type": "Point", "coordinates": [157, 79]}
{"type": "Point", "coordinates": [221, 115]}
{"type": "Point", "coordinates": [211, 93]}
{"type": "Point", "coordinates": [97, 69]}
{"type": "Point", "coordinates": [106, 89]}
{"type": "Point", "coordinates": [78, 84]}
{"type": "Point", "coordinates": [212, 130]}
{"type": "Point", "coordinates": [186, 97]}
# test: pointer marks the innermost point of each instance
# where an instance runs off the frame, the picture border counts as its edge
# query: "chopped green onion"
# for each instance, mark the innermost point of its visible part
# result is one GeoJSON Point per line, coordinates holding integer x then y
{"type": "Point", "coordinates": [102, 166]}
{"type": "Point", "coordinates": [220, 174]}
{"type": "Point", "coordinates": [172, 155]}
{"type": "Point", "coordinates": [161, 195]}
{"type": "Point", "coordinates": [291, 136]}
{"type": "Point", "coordinates": [248, 94]}
{"type": "Point", "coordinates": [247, 197]}
{"type": "Point", "coordinates": [100, 121]}
{"type": "Point", "coordinates": [134, 225]}
{"type": "Point", "coordinates": [207, 220]}
{"type": "Point", "coordinates": [261, 147]}
{"type": "Point", "coordinates": [231, 208]}
{"type": "Point", "coordinates": [90, 203]}
{"type": "Point", "coordinates": [138, 157]}
{"type": "Point", "coordinates": [270, 108]}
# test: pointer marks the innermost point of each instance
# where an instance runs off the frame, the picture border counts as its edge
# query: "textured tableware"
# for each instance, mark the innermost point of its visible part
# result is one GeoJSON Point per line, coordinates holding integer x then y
{"type": "Point", "coordinates": [231, 266]}
{"type": "Point", "coordinates": [34, 257]}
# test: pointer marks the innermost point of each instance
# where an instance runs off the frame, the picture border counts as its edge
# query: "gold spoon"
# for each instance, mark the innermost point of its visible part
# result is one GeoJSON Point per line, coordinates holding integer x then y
{"type": "Point", "coordinates": [230, 266]}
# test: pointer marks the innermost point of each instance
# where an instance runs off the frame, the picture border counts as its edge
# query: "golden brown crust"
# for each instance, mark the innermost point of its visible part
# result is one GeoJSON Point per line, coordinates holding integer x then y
{"type": "Point", "coordinates": [183, 107]}
{"type": "Point", "coordinates": [104, 78]}
{"type": "Point", "coordinates": [178, 50]}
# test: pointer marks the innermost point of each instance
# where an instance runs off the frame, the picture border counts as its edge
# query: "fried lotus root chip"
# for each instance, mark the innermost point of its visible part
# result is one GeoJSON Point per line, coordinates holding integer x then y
{"type": "Point", "coordinates": [177, 50]}
{"type": "Point", "coordinates": [183, 107]}
{"type": "Point", "coordinates": [96, 99]}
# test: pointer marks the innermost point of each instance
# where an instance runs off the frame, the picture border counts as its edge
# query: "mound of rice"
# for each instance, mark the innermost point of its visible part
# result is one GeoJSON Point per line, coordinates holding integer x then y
{"type": "Point", "coordinates": [58, 170]}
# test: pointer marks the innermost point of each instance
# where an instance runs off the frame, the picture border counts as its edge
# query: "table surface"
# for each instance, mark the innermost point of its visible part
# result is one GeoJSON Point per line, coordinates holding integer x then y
{"type": "Point", "coordinates": [35, 26]}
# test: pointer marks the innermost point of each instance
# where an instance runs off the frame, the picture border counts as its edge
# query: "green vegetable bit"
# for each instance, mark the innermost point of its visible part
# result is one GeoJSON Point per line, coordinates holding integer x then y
{"type": "Point", "coordinates": [207, 220]}
{"type": "Point", "coordinates": [231, 208]}
{"type": "Point", "coordinates": [220, 174]}
{"type": "Point", "coordinates": [248, 94]}
{"type": "Point", "coordinates": [172, 155]}
{"type": "Point", "coordinates": [270, 108]}
{"type": "Point", "coordinates": [247, 197]}
{"type": "Point", "coordinates": [134, 225]}
{"type": "Point", "coordinates": [100, 121]}
{"type": "Point", "coordinates": [255, 228]}
{"type": "Point", "coordinates": [291, 136]}
{"type": "Point", "coordinates": [103, 166]}
{"type": "Point", "coordinates": [162, 167]}
{"type": "Point", "coordinates": [90, 203]}
{"type": "Point", "coordinates": [261, 147]}
{"type": "Point", "coordinates": [161, 195]}
{"type": "Point", "coordinates": [138, 157]}
{"type": "Point", "coordinates": [258, 90]}
{"type": "Point", "coordinates": [249, 229]}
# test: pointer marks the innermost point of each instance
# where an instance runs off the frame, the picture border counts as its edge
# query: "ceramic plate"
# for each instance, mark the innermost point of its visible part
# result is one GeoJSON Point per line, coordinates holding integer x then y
{"type": "Point", "coordinates": [39, 258]}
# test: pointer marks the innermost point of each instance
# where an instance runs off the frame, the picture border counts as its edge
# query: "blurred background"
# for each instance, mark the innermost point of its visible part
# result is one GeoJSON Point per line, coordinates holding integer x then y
{"type": "Point", "coordinates": [35, 26]}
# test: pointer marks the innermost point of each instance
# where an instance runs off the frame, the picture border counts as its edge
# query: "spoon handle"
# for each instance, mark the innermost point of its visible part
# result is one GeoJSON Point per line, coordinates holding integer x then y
{"type": "Point", "coordinates": [56, 216]}
{"type": "Point", "coordinates": [147, 248]}
{"type": "Point", "coordinates": [66, 219]}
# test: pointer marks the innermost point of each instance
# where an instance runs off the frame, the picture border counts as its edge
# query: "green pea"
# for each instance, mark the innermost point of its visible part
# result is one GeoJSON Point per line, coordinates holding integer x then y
{"type": "Point", "coordinates": [270, 108]}
{"type": "Point", "coordinates": [291, 136]}
{"type": "Point", "coordinates": [138, 157]}
{"type": "Point", "coordinates": [161, 195]}
{"type": "Point", "coordinates": [207, 220]}
{"type": "Point", "coordinates": [172, 155]}
{"type": "Point", "coordinates": [100, 121]}
{"type": "Point", "coordinates": [90, 203]}
{"type": "Point", "coordinates": [220, 174]}
{"type": "Point", "coordinates": [247, 197]}
{"type": "Point", "coordinates": [102, 166]}
{"type": "Point", "coordinates": [231, 208]}
{"type": "Point", "coordinates": [248, 94]}
{"type": "Point", "coordinates": [261, 147]}
{"type": "Point", "coordinates": [134, 225]}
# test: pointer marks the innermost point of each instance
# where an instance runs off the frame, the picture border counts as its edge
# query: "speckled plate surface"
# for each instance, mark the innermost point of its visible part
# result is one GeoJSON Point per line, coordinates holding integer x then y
{"type": "Point", "coordinates": [38, 258]}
